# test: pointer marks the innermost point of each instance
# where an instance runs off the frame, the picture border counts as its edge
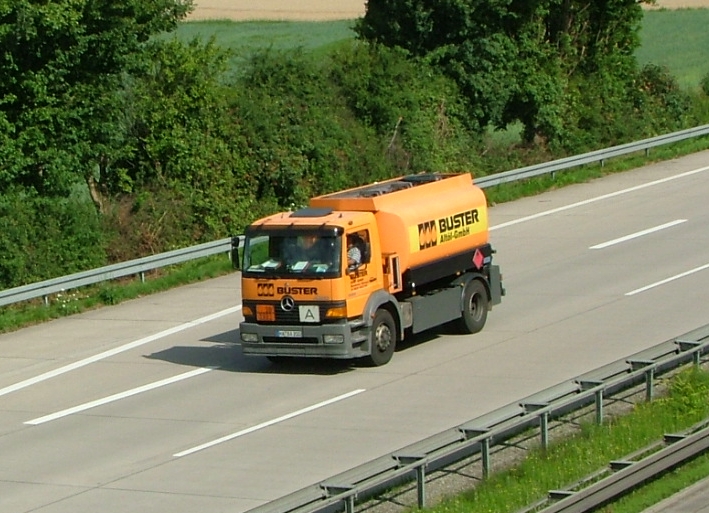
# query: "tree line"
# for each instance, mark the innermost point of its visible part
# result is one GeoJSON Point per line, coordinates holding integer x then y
{"type": "Point", "coordinates": [118, 140]}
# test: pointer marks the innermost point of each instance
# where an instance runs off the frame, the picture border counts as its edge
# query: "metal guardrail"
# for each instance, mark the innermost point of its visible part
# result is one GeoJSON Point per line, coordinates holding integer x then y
{"type": "Point", "coordinates": [132, 267]}
{"type": "Point", "coordinates": [140, 266]}
{"type": "Point", "coordinates": [590, 158]}
{"type": "Point", "coordinates": [478, 436]}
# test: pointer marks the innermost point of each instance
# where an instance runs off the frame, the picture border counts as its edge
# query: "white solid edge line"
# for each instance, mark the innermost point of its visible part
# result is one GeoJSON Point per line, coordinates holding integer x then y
{"type": "Point", "coordinates": [112, 352]}
{"type": "Point", "coordinates": [118, 396]}
{"type": "Point", "coordinates": [268, 423]}
{"type": "Point", "coordinates": [598, 198]}
{"type": "Point", "coordinates": [667, 280]}
{"type": "Point", "coordinates": [638, 234]}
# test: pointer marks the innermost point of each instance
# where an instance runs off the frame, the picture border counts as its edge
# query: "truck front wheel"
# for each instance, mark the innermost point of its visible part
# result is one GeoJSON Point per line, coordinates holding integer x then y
{"type": "Point", "coordinates": [475, 306]}
{"type": "Point", "coordinates": [383, 338]}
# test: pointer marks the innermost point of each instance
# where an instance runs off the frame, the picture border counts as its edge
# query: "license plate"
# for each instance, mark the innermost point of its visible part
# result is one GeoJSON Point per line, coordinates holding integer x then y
{"type": "Point", "coordinates": [289, 333]}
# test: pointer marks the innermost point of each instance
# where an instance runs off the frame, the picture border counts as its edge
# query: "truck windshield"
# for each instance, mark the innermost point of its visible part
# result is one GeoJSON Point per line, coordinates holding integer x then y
{"type": "Point", "coordinates": [303, 254]}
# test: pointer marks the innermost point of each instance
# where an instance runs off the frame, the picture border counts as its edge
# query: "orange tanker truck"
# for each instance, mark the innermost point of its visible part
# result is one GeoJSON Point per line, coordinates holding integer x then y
{"type": "Point", "coordinates": [358, 270]}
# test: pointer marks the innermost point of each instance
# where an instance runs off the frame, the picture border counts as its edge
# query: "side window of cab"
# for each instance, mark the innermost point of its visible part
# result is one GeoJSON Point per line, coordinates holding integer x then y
{"type": "Point", "coordinates": [358, 252]}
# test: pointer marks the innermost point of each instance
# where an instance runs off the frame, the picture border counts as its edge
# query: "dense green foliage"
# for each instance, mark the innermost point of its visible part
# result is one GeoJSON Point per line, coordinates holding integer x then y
{"type": "Point", "coordinates": [61, 69]}
{"type": "Point", "coordinates": [705, 84]}
{"type": "Point", "coordinates": [61, 122]}
{"type": "Point", "coordinates": [36, 231]}
{"type": "Point", "coordinates": [119, 140]}
{"type": "Point", "coordinates": [565, 70]}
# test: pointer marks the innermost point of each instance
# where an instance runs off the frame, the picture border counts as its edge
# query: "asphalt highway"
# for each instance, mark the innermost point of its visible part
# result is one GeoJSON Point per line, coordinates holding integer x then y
{"type": "Point", "coordinates": [150, 406]}
{"type": "Point", "coordinates": [694, 499]}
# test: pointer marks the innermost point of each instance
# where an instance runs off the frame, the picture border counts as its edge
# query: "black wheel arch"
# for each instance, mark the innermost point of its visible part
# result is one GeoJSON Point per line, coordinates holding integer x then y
{"type": "Point", "coordinates": [382, 299]}
{"type": "Point", "coordinates": [464, 279]}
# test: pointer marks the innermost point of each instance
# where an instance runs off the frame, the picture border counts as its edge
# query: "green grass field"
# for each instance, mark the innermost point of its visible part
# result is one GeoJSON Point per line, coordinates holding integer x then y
{"type": "Point", "coordinates": [677, 39]}
{"type": "Point", "coordinates": [247, 36]}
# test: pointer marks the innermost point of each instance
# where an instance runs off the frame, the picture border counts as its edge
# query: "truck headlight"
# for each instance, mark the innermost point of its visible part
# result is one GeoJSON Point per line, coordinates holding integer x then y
{"type": "Point", "coordinates": [249, 337]}
{"type": "Point", "coordinates": [333, 339]}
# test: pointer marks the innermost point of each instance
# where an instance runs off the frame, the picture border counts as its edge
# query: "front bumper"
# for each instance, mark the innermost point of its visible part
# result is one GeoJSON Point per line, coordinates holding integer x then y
{"type": "Point", "coordinates": [280, 340]}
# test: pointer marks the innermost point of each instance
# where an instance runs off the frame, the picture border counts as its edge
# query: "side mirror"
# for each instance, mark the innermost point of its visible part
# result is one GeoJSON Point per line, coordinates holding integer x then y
{"type": "Point", "coordinates": [234, 253]}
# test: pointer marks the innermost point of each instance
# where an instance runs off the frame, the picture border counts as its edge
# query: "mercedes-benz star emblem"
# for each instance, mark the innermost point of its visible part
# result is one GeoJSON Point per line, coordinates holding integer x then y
{"type": "Point", "coordinates": [287, 303]}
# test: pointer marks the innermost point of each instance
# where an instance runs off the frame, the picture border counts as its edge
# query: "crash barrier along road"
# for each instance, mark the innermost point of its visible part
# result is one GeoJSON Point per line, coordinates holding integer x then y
{"type": "Point", "coordinates": [45, 289]}
{"type": "Point", "coordinates": [477, 438]}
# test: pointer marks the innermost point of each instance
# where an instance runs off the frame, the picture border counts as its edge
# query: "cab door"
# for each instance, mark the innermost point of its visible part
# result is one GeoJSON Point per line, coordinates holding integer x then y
{"type": "Point", "coordinates": [362, 278]}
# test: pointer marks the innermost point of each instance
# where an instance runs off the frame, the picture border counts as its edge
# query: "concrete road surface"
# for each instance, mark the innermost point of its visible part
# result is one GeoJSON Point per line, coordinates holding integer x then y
{"type": "Point", "coordinates": [694, 499]}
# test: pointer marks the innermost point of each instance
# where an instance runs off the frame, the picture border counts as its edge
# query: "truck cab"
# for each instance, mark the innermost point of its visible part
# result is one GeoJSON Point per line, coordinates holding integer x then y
{"type": "Point", "coordinates": [302, 295]}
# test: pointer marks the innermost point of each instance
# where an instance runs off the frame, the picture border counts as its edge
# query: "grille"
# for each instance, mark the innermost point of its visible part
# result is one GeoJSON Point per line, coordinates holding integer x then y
{"type": "Point", "coordinates": [292, 317]}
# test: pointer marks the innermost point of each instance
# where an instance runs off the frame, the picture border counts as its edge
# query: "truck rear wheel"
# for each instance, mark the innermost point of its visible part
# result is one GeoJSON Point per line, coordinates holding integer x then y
{"type": "Point", "coordinates": [475, 306]}
{"type": "Point", "coordinates": [383, 338]}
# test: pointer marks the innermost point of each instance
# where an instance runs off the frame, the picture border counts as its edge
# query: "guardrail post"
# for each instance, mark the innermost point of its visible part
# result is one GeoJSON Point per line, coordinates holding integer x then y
{"type": "Point", "coordinates": [599, 407]}
{"type": "Point", "coordinates": [690, 345]}
{"type": "Point", "coordinates": [45, 299]}
{"type": "Point", "coordinates": [142, 276]}
{"type": "Point", "coordinates": [420, 475]}
{"type": "Point", "coordinates": [484, 448]}
{"type": "Point", "coordinates": [649, 375]}
{"type": "Point", "coordinates": [349, 500]}
{"type": "Point", "coordinates": [543, 420]}
{"type": "Point", "coordinates": [589, 385]}
{"type": "Point", "coordinates": [485, 456]}
{"type": "Point", "coordinates": [421, 485]}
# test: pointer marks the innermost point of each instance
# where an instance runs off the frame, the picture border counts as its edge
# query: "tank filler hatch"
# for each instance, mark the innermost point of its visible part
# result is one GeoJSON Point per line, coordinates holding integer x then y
{"type": "Point", "coordinates": [379, 189]}
{"type": "Point", "coordinates": [311, 212]}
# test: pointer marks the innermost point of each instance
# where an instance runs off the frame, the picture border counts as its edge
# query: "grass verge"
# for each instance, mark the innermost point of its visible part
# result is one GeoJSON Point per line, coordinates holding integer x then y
{"type": "Point", "coordinates": [653, 493]}
{"type": "Point", "coordinates": [571, 459]}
